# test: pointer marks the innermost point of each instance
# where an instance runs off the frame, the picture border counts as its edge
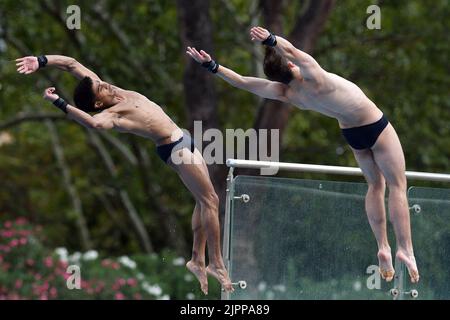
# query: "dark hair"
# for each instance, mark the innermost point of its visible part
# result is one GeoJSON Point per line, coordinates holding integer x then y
{"type": "Point", "coordinates": [276, 67]}
{"type": "Point", "coordinates": [84, 96]}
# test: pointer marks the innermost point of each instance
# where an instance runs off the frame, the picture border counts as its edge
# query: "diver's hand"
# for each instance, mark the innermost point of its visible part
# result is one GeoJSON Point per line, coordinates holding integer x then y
{"type": "Point", "coordinates": [50, 95]}
{"type": "Point", "coordinates": [200, 57]}
{"type": "Point", "coordinates": [27, 65]}
{"type": "Point", "coordinates": [259, 34]}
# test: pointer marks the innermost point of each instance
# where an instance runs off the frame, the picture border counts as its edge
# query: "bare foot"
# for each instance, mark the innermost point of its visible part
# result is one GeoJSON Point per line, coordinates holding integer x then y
{"type": "Point", "coordinates": [387, 271]}
{"type": "Point", "coordinates": [410, 263]}
{"type": "Point", "coordinates": [200, 273]}
{"type": "Point", "coordinates": [222, 276]}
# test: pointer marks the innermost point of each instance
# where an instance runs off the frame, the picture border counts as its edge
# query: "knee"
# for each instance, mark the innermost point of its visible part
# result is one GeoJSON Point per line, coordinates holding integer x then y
{"type": "Point", "coordinates": [398, 186]}
{"type": "Point", "coordinates": [377, 187]}
{"type": "Point", "coordinates": [210, 200]}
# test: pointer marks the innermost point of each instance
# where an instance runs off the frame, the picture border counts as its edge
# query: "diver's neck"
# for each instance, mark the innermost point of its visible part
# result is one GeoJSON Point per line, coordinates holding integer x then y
{"type": "Point", "coordinates": [118, 98]}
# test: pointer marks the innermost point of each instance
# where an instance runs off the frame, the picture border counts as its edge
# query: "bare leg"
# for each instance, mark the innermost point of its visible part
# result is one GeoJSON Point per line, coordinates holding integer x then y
{"type": "Point", "coordinates": [195, 176]}
{"type": "Point", "coordinates": [197, 263]}
{"type": "Point", "coordinates": [388, 155]}
{"type": "Point", "coordinates": [375, 210]}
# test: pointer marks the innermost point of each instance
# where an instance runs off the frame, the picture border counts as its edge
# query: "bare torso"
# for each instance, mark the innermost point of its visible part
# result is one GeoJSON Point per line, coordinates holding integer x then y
{"type": "Point", "coordinates": [335, 97]}
{"type": "Point", "coordinates": [138, 115]}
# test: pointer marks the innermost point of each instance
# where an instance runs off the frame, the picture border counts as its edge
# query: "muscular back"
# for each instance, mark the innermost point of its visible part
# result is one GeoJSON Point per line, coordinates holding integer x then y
{"type": "Point", "coordinates": [335, 97]}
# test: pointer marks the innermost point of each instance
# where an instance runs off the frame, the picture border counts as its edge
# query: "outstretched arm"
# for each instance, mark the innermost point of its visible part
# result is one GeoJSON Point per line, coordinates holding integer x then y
{"type": "Point", "coordinates": [261, 87]}
{"type": "Point", "coordinates": [308, 65]}
{"type": "Point", "coordinates": [30, 64]}
{"type": "Point", "coordinates": [98, 121]}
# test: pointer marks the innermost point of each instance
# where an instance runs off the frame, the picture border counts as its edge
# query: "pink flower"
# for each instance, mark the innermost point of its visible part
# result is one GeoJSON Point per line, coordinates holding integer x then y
{"type": "Point", "coordinates": [24, 233]}
{"type": "Point", "coordinates": [53, 292]}
{"type": "Point", "coordinates": [106, 263]}
{"type": "Point", "coordinates": [84, 284]}
{"type": "Point", "coordinates": [137, 296]}
{"type": "Point", "coordinates": [13, 243]}
{"type": "Point", "coordinates": [132, 282]}
{"type": "Point", "coordinates": [7, 233]}
{"type": "Point", "coordinates": [122, 282]}
{"type": "Point", "coordinates": [21, 221]}
{"type": "Point", "coordinates": [43, 297]}
{"type": "Point", "coordinates": [44, 287]}
{"type": "Point", "coordinates": [30, 262]}
{"type": "Point", "coordinates": [14, 296]}
{"type": "Point", "coordinates": [8, 224]}
{"type": "Point", "coordinates": [18, 284]}
{"type": "Point", "coordinates": [48, 262]}
{"type": "Point", "coordinates": [4, 248]}
{"type": "Point", "coordinates": [119, 296]}
{"type": "Point", "coordinates": [100, 286]}
{"type": "Point", "coordinates": [23, 241]}
{"type": "Point", "coordinates": [115, 265]}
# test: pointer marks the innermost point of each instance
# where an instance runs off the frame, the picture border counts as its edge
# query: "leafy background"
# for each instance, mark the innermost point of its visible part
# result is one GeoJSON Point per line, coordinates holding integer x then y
{"type": "Point", "coordinates": [91, 191]}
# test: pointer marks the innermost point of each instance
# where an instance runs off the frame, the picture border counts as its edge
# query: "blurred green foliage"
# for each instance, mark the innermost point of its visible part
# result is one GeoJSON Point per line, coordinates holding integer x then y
{"type": "Point", "coordinates": [403, 68]}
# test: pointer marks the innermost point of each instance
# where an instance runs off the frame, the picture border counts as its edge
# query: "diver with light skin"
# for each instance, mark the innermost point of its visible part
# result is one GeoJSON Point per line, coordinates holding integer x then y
{"type": "Point", "coordinates": [130, 112]}
{"type": "Point", "coordinates": [296, 78]}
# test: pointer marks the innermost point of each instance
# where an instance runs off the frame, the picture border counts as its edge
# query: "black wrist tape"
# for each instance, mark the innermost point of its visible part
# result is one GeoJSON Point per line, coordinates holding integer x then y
{"type": "Point", "coordinates": [271, 41]}
{"type": "Point", "coordinates": [42, 60]}
{"type": "Point", "coordinates": [61, 104]}
{"type": "Point", "coordinates": [212, 66]}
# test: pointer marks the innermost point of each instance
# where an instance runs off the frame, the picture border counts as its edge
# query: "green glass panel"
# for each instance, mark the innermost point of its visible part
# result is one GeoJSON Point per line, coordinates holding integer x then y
{"type": "Point", "coordinates": [430, 225]}
{"type": "Point", "coordinates": [302, 239]}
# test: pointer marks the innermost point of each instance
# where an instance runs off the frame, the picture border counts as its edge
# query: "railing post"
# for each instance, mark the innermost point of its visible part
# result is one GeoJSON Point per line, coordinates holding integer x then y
{"type": "Point", "coordinates": [227, 227]}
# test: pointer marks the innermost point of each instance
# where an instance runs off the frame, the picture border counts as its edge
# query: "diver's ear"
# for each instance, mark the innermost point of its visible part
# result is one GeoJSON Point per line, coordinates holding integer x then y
{"type": "Point", "coordinates": [99, 104]}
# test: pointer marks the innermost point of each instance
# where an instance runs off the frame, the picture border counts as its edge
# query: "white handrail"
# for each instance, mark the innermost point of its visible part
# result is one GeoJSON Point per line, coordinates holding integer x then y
{"type": "Point", "coordinates": [352, 171]}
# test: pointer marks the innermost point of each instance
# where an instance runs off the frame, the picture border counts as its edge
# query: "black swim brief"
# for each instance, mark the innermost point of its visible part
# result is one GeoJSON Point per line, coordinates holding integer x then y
{"type": "Point", "coordinates": [364, 137]}
{"type": "Point", "coordinates": [166, 150]}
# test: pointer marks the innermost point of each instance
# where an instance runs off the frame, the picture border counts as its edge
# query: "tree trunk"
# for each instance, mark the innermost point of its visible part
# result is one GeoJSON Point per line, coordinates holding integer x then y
{"type": "Point", "coordinates": [196, 31]}
{"type": "Point", "coordinates": [71, 190]}
{"type": "Point", "coordinates": [200, 94]}
{"type": "Point", "coordinates": [130, 209]}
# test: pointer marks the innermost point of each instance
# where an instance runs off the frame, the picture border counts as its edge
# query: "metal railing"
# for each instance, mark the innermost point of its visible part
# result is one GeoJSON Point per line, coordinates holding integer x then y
{"type": "Point", "coordinates": [350, 171]}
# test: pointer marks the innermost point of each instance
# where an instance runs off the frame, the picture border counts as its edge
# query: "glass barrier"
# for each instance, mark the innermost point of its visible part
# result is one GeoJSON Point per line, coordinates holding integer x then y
{"type": "Point", "coordinates": [309, 239]}
{"type": "Point", "coordinates": [430, 223]}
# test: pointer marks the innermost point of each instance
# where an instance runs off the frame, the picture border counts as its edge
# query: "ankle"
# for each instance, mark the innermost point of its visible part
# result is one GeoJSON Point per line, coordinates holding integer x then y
{"type": "Point", "coordinates": [216, 266]}
{"type": "Point", "coordinates": [197, 262]}
{"type": "Point", "coordinates": [409, 252]}
{"type": "Point", "coordinates": [384, 248]}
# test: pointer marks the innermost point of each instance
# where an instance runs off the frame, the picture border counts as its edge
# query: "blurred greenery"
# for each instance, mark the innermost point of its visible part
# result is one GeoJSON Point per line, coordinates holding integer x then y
{"type": "Point", "coordinates": [403, 68]}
